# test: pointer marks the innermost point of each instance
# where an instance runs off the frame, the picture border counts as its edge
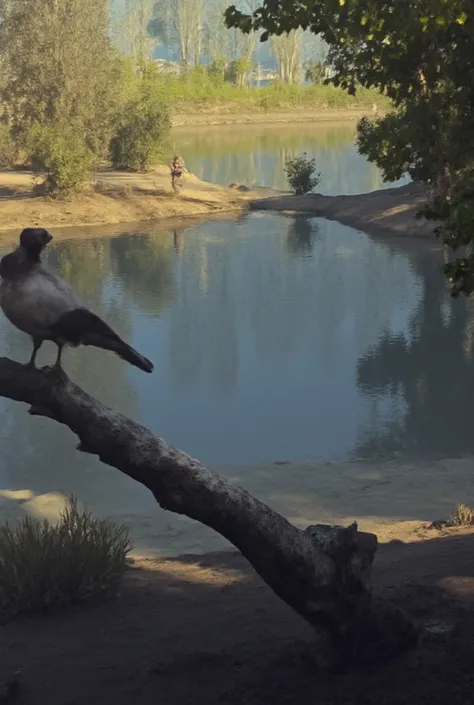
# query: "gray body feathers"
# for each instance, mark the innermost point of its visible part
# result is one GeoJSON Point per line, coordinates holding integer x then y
{"type": "Point", "coordinates": [36, 300]}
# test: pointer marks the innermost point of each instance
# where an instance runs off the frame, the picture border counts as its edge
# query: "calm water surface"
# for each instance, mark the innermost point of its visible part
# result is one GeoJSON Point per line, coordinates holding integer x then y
{"type": "Point", "coordinates": [274, 339]}
{"type": "Point", "coordinates": [255, 155]}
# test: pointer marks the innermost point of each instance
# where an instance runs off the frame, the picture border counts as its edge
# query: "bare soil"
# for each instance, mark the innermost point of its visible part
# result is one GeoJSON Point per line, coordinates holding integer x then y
{"type": "Point", "coordinates": [218, 115]}
{"type": "Point", "coordinates": [389, 211]}
{"type": "Point", "coordinates": [116, 197]}
{"type": "Point", "coordinates": [205, 629]}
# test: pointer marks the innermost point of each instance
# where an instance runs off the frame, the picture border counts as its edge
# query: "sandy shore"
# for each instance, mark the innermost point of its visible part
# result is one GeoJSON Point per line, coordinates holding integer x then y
{"type": "Point", "coordinates": [387, 497]}
{"type": "Point", "coordinates": [119, 198]}
{"type": "Point", "coordinates": [219, 116]}
{"type": "Point", "coordinates": [387, 212]}
{"type": "Point", "coordinates": [116, 197]}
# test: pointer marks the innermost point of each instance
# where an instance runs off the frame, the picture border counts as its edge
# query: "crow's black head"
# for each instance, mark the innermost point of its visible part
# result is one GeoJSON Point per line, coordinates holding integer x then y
{"type": "Point", "coordinates": [34, 240]}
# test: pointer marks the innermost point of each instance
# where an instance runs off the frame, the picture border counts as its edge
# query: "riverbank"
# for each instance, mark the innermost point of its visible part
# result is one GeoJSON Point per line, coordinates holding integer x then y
{"type": "Point", "coordinates": [236, 115]}
{"type": "Point", "coordinates": [116, 197]}
{"type": "Point", "coordinates": [386, 497]}
{"type": "Point", "coordinates": [386, 212]}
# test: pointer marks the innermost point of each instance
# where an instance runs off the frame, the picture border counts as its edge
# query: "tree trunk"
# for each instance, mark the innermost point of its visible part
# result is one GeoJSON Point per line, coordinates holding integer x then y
{"type": "Point", "coordinates": [323, 573]}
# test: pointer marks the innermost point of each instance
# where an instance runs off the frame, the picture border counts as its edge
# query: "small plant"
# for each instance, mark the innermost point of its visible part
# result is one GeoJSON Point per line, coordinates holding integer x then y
{"type": "Point", "coordinates": [300, 172]}
{"type": "Point", "coordinates": [61, 157]}
{"type": "Point", "coordinates": [45, 565]}
{"type": "Point", "coordinates": [462, 516]}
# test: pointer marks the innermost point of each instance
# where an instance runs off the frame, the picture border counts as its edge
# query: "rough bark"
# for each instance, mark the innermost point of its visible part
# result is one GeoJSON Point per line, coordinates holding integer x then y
{"type": "Point", "coordinates": [323, 573]}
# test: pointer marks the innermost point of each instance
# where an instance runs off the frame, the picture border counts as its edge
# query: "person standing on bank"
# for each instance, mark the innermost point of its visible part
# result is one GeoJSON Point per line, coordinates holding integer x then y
{"type": "Point", "coordinates": [177, 168]}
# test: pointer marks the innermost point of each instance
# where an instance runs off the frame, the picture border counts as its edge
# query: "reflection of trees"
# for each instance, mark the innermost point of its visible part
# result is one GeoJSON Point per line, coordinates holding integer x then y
{"type": "Point", "coordinates": [84, 262]}
{"type": "Point", "coordinates": [143, 266]}
{"type": "Point", "coordinates": [203, 343]}
{"type": "Point", "coordinates": [433, 373]}
{"type": "Point", "coordinates": [302, 233]}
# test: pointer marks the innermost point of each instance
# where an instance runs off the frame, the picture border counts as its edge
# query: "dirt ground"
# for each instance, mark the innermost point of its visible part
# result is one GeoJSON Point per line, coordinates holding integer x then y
{"type": "Point", "coordinates": [389, 211]}
{"type": "Point", "coordinates": [119, 197]}
{"type": "Point", "coordinates": [205, 629]}
{"type": "Point", "coordinates": [116, 197]}
{"type": "Point", "coordinates": [216, 115]}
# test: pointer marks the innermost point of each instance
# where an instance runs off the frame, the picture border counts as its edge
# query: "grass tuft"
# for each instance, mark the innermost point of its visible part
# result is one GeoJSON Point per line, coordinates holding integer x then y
{"type": "Point", "coordinates": [45, 565]}
{"type": "Point", "coordinates": [462, 516]}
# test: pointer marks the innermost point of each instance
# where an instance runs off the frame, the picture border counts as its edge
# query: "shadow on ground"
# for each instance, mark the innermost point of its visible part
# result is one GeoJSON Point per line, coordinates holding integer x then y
{"type": "Point", "coordinates": [207, 630]}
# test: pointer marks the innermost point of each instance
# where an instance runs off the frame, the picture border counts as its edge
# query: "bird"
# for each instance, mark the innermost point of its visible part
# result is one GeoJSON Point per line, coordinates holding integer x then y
{"type": "Point", "coordinates": [43, 305]}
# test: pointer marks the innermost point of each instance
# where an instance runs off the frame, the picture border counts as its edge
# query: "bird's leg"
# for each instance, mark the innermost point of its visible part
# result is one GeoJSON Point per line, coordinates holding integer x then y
{"type": "Point", "coordinates": [57, 364]}
{"type": "Point", "coordinates": [36, 346]}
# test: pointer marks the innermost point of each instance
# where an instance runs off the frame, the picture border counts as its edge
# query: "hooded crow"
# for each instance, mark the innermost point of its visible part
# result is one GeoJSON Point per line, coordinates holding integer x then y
{"type": "Point", "coordinates": [40, 303]}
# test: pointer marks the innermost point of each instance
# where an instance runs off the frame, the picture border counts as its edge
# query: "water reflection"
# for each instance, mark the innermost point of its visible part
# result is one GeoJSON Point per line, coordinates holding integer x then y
{"type": "Point", "coordinates": [142, 266]}
{"type": "Point", "coordinates": [178, 241]}
{"type": "Point", "coordinates": [256, 154]}
{"type": "Point", "coordinates": [273, 339]}
{"type": "Point", "coordinates": [430, 368]}
{"type": "Point", "coordinates": [302, 233]}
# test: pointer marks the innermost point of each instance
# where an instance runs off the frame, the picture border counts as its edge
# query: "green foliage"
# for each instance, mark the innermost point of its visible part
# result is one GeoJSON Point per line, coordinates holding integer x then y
{"type": "Point", "coordinates": [397, 146]}
{"type": "Point", "coordinates": [201, 91]}
{"type": "Point", "coordinates": [314, 72]}
{"type": "Point", "coordinates": [44, 566]}
{"type": "Point", "coordinates": [461, 516]}
{"type": "Point", "coordinates": [419, 54]}
{"type": "Point", "coordinates": [300, 172]}
{"type": "Point", "coordinates": [8, 147]}
{"type": "Point", "coordinates": [217, 69]}
{"type": "Point", "coordinates": [58, 68]}
{"type": "Point", "coordinates": [62, 157]}
{"type": "Point", "coordinates": [144, 123]}
{"type": "Point", "coordinates": [236, 70]}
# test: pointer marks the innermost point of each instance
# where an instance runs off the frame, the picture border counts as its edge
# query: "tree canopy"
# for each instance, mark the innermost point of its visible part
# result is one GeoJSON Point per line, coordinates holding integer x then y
{"type": "Point", "coordinates": [420, 53]}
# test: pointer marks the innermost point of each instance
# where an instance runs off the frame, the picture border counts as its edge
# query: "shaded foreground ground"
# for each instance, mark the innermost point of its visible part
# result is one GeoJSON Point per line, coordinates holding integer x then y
{"type": "Point", "coordinates": [204, 629]}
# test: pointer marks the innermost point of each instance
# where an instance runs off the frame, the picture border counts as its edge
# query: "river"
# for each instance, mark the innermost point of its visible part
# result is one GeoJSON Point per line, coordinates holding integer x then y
{"type": "Point", "coordinates": [290, 353]}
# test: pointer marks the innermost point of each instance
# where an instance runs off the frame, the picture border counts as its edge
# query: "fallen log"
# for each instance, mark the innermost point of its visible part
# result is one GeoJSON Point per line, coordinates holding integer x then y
{"type": "Point", "coordinates": [323, 573]}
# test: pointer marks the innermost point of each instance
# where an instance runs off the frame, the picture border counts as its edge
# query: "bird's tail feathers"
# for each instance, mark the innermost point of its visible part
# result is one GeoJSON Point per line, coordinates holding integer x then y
{"type": "Point", "coordinates": [116, 345]}
{"type": "Point", "coordinates": [82, 327]}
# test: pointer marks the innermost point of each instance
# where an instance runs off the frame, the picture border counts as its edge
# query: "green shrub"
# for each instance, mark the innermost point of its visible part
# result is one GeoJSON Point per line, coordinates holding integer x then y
{"type": "Point", "coordinates": [61, 157]}
{"type": "Point", "coordinates": [314, 72]}
{"type": "Point", "coordinates": [143, 125]}
{"type": "Point", "coordinates": [43, 565]}
{"type": "Point", "coordinates": [300, 172]}
{"type": "Point", "coordinates": [191, 92]}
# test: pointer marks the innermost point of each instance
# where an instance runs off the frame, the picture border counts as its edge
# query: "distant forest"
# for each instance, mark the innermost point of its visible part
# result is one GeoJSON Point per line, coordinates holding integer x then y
{"type": "Point", "coordinates": [192, 32]}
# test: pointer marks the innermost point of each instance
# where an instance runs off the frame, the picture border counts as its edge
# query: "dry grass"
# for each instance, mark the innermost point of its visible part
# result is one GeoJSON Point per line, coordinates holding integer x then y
{"type": "Point", "coordinates": [462, 516]}
{"type": "Point", "coordinates": [45, 565]}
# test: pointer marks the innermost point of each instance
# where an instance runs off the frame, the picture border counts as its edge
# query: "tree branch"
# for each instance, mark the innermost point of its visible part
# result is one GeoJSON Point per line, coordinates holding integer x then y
{"type": "Point", "coordinates": [323, 573]}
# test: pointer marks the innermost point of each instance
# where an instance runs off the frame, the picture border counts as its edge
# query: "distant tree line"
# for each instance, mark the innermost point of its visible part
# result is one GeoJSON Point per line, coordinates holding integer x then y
{"type": "Point", "coordinates": [194, 33]}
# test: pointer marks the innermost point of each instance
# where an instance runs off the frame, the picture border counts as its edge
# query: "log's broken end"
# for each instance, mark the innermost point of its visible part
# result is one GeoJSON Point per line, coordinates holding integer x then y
{"type": "Point", "coordinates": [335, 540]}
